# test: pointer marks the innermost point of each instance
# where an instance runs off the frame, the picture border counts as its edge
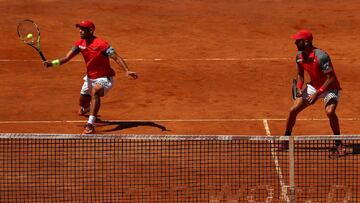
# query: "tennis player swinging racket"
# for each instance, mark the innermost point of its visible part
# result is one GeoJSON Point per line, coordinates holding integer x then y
{"type": "Point", "coordinates": [99, 75]}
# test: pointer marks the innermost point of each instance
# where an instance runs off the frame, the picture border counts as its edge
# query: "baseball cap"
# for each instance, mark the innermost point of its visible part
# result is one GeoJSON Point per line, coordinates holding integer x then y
{"type": "Point", "coordinates": [303, 34]}
{"type": "Point", "coordinates": [85, 24]}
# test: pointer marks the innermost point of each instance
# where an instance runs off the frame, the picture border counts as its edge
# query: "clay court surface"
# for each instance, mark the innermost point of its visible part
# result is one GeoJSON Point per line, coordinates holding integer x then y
{"type": "Point", "coordinates": [205, 67]}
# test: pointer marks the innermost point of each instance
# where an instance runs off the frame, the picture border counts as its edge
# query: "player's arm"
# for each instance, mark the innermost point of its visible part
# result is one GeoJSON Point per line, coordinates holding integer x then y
{"type": "Point", "coordinates": [56, 62]}
{"type": "Point", "coordinates": [328, 69]}
{"type": "Point", "coordinates": [113, 55]}
{"type": "Point", "coordinates": [300, 74]}
{"type": "Point", "coordinates": [300, 79]}
{"type": "Point", "coordinates": [330, 78]}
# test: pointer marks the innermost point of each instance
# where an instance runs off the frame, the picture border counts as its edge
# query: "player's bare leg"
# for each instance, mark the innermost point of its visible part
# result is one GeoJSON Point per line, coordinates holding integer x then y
{"type": "Point", "coordinates": [330, 109]}
{"type": "Point", "coordinates": [96, 93]}
{"type": "Point", "coordinates": [299, 105]}
{"type": "Point", "coordinates": [84, 103]}
{"type": "Point", "coordinates": [333, 119]}
{"type": "Point", "coordinates": [340, 149]}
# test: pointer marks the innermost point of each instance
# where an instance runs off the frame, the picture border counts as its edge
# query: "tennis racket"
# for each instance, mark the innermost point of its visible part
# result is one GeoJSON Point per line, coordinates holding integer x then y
{"type": "Point", "coordinates": [29, 33]}
{"type": "Point", "coordinates": [294, 89]}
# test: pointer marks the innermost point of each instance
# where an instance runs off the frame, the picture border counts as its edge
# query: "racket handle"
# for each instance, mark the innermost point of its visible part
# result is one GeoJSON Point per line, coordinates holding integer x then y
{"type": "Point", "coordinates": [42, 56]}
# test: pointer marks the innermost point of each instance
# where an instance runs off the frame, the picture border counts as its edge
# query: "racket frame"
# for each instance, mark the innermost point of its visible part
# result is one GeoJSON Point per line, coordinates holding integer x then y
{"type": "Point", "coordinates": [35, 45]}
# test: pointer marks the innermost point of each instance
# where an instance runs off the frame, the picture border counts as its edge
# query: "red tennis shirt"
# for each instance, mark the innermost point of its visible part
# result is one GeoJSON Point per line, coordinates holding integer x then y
{"type": "Point", "coordinates": [96, 59]}
{"type": "Point", "coordinates": [318, 64]}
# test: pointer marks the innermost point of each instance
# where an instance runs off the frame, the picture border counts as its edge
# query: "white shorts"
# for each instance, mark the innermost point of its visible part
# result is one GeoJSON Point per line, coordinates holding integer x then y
{"type": "Point", "coordinates": [327, 95]}
{"type": "Point", "coordinates": [105, 82]}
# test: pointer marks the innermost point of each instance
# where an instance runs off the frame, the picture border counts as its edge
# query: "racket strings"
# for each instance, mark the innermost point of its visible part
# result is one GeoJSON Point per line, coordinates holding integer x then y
{"type": "Point", "coordinates": [28, 32]}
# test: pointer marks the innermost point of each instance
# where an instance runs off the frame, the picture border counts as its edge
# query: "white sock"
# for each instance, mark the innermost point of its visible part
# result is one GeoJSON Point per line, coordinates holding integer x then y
{"type": "Point", "coordinates": [91, 119]}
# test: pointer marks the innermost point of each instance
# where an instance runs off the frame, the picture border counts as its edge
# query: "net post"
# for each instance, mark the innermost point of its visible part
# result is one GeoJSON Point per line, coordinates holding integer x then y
{"type": "Point", "coordinates": [292, 195]}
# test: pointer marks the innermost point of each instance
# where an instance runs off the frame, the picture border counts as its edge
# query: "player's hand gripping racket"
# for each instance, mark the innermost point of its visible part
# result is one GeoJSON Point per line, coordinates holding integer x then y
{"type": "Point", "coordinates": [29, 33]}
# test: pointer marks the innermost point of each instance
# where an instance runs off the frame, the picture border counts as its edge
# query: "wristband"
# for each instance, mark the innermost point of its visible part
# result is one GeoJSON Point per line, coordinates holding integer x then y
{"type": "Point", "coordinates": [299, 84]}
{"type": "Point", "coordinates": [321, 90]}
{"type": "Point", "coordinates": [55, 62]}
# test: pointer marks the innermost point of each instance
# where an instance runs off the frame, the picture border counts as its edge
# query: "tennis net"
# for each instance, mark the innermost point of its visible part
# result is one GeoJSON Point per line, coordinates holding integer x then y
{"type": "Point", "coordinates": [140, 168]}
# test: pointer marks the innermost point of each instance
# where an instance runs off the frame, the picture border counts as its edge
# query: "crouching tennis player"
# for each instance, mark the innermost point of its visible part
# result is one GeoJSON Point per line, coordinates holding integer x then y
{"type": "Point", "coordinates": [324, 83]}
{"type": "Point", "coordinates": [99, 75]}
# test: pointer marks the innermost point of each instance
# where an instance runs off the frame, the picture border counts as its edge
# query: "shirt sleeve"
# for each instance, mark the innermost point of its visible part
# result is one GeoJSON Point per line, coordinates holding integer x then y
{"type": "Point", "coordinates": [109, 51]}
{"type": "Point", "coordinates": [324, 62]}
{"type": "Point", "coordinates": [75, 49]}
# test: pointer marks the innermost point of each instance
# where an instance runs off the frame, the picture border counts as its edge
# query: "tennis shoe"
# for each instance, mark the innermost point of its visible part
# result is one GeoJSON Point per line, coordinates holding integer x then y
{"type": "Point", "coordinates": [342, 150]}
{"type": "Point", "coordinates": [83, 111]}
{"type": "Point", "coordinates": [89, 129]}
{"type": "Point", "coordinates": [339, 151]}
{"type": "Point", "coordinates": [284, 145]}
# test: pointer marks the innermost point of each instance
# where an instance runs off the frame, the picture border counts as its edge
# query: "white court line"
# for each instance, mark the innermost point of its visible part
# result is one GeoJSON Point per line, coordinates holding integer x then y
{"type": "Point", "coordinates": [175, 120]}
{"type": "Point", "coordinates": [276, 162]}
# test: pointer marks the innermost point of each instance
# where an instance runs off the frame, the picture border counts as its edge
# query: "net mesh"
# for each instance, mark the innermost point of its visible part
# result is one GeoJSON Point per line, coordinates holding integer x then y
{"type": "Point", "coordinates": [28, 32]}
{"type": "Point", "coordinates": [74, 168]}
